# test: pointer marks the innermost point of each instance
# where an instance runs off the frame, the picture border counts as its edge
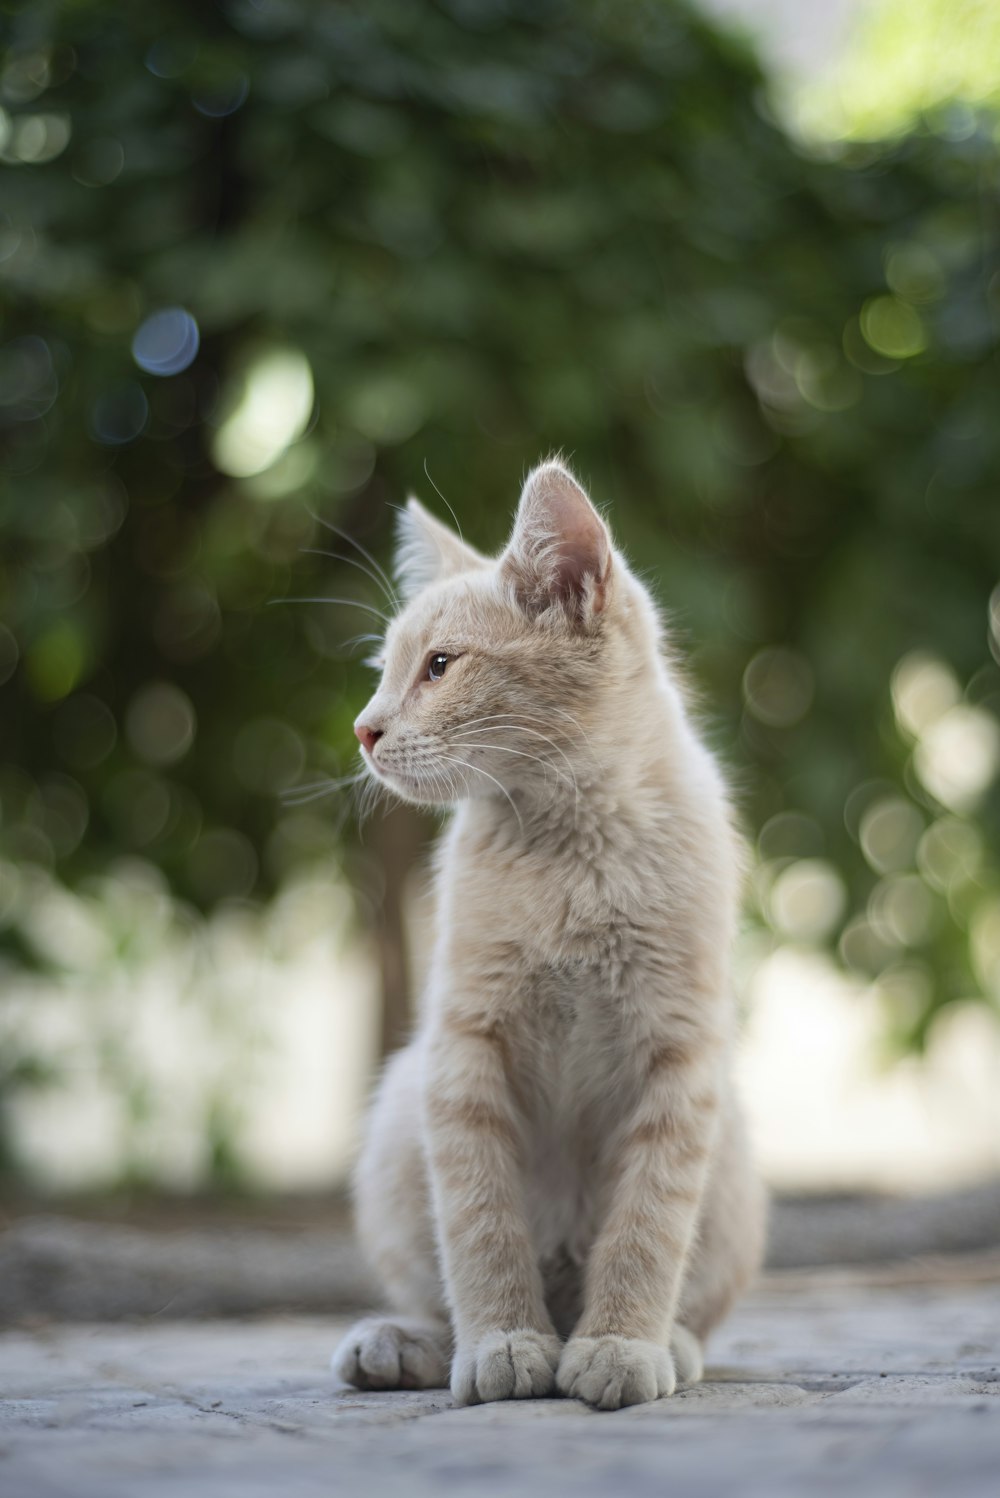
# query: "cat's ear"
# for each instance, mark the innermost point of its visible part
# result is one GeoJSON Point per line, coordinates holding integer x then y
{"type": "Point", "coordinates": [560, 551]}
{"type": "Point", "coordinates": [427, 551]}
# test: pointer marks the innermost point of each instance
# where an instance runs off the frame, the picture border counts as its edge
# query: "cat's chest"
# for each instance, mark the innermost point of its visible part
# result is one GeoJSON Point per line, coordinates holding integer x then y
{"type": "Point", "coordinates": [569, 995]}
{"type": "Point", "coordinates": [562, 1002]}
{"type": "Point", "coordinates": [576, 1076]}
{"type": "Point", "coordinates": [576, 1023]}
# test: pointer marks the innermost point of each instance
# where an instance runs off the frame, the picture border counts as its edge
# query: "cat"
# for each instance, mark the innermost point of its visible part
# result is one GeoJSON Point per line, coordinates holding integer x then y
{"type": "Point", "coordinates": [555, 1187]}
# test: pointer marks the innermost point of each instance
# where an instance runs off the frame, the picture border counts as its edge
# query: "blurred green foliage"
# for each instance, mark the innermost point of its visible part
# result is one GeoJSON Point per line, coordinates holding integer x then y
{"type": "Point", "coordinates": [270, 258]}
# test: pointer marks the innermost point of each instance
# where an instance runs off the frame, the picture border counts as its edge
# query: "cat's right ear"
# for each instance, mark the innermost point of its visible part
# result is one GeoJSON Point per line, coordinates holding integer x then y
{"type": "Point", "coordinates": [428, 551]}
{"type": "Point", "coordinates": [560, 552]}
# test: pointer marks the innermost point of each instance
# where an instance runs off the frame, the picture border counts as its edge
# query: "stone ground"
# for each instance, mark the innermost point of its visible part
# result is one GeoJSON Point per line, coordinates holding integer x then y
{"type": "Point", "coordinates": [820, 1383]}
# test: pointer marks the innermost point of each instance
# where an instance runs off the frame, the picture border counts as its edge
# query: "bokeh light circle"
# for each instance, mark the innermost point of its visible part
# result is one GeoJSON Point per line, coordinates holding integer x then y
{"type": "Point", "coordinates": [167, 342]}
{"type": "Point", "coordinates": [160, 722]}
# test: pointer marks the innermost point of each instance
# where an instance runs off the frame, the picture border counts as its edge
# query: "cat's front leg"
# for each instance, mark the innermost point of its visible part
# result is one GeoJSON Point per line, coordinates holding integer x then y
{"type": "Point", "coordinates": [505, 1344]}
{"type": "Point", "coordinates": [619, 1352]}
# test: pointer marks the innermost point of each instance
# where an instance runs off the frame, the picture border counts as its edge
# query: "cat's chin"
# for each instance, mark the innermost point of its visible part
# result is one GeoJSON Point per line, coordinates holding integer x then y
{"type": "Point", "coordinates": [408, 788]}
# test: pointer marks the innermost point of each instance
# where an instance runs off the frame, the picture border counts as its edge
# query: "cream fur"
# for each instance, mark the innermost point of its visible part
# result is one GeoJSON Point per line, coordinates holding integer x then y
{"type": "Point", "coordinates": [555, 1187]}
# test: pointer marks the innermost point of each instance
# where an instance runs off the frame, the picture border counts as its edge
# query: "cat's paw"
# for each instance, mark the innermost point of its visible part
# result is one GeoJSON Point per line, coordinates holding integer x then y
{"type": "Point", "coordinates": [401, 1354]}
{"type": "Point", "coordinates": [688, 1358]}
{"type": "Point", "coordinates": [609, 1372]}
{"type": "Point", "coordinates": [505, 1365]}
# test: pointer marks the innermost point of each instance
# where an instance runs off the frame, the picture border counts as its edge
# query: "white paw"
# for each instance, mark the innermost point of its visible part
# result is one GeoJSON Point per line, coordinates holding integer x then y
{"type": "Point", "coordinates": [378, 1354]}
{"type": "Point", "coordinates": [505, 1365]}
{"type": "Point", "coordinates": [609, 1372]}
{"type": "Point", "coordinates": [685, 1349]}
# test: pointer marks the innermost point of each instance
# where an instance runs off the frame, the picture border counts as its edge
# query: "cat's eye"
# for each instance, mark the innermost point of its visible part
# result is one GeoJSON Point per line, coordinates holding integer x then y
{"type": "Point", "coordinates": [436, 667]}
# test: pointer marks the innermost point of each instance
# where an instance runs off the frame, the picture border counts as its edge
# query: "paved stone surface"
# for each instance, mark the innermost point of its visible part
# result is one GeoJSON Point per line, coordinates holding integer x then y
{"type": "Point", "coordinates": [814, 1387]}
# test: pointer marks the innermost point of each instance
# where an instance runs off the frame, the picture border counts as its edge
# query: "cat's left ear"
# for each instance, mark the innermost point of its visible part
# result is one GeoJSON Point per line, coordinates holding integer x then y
{"type": "Point", "coordinates": [560, 551]}
{"type": "Point", "coordinates": [428, 550]}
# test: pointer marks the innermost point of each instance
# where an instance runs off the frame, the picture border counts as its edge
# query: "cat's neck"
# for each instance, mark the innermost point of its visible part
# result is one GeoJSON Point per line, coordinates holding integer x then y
{"type": "Point", "coordinates": [604, 784]}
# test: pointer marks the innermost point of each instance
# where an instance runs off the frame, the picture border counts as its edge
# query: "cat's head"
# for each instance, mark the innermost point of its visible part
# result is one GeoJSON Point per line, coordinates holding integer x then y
{"type": "Point", "coordinates": [498, 674]}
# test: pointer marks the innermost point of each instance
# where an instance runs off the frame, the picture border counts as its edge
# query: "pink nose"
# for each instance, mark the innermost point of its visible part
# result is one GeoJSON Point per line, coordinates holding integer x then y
{"type": "Point", "coordinates": [368, 737]}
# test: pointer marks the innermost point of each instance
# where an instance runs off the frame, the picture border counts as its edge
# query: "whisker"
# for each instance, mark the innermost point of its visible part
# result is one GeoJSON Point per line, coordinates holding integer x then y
{"type": "Point", "coordinates": [535, 758]}
{"type": "Point", "coordinates": [522, 728]}
{"type": "Point", "coordinates": [446, 779]}
{"type": "Point", "coordinates": [458, 524]}
{"type": "Point", "coordinates": [307, 797]}
{"type": "Point", "coordinates": [329, 782]}
{"type": "Point", "coordinates": [299, 795]}
{"type": "Point", "coordinates": [368, 639]}
{"type": "Point", "coordinates": [518, 717]}
{"type": "Point", "coordinates": [338, 556]}
{"type": "Point", "coordinates": [345, 536]}
{"type": "Point", "coordinates": [350, 602]}
{"type": "Point", "coordinates": [534, 718]}
{"type": "Point", "coordinates": [501, 788]}
{"type": "Point", "coordinates": [371, 790]}
{"type": "Point", "coordinates": [576, 724]}
{"type": "Point", "coordinates": [501, 722]}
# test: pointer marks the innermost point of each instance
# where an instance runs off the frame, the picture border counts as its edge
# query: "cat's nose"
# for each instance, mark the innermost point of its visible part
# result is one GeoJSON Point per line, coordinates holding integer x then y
{"type": "Point", "coordinates": [367, 737]}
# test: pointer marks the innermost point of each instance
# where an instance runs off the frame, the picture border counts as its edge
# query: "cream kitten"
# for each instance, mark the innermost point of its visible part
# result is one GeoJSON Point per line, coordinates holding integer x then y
{"type": "Point", "coordinates": [555, 1187]}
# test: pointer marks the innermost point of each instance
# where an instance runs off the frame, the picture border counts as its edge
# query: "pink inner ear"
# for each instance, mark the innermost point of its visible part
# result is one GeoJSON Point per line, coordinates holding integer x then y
{"type": "Point", "coordinates": [577, 536]}
{"type": "Point", "coordinates": [559, 544]}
